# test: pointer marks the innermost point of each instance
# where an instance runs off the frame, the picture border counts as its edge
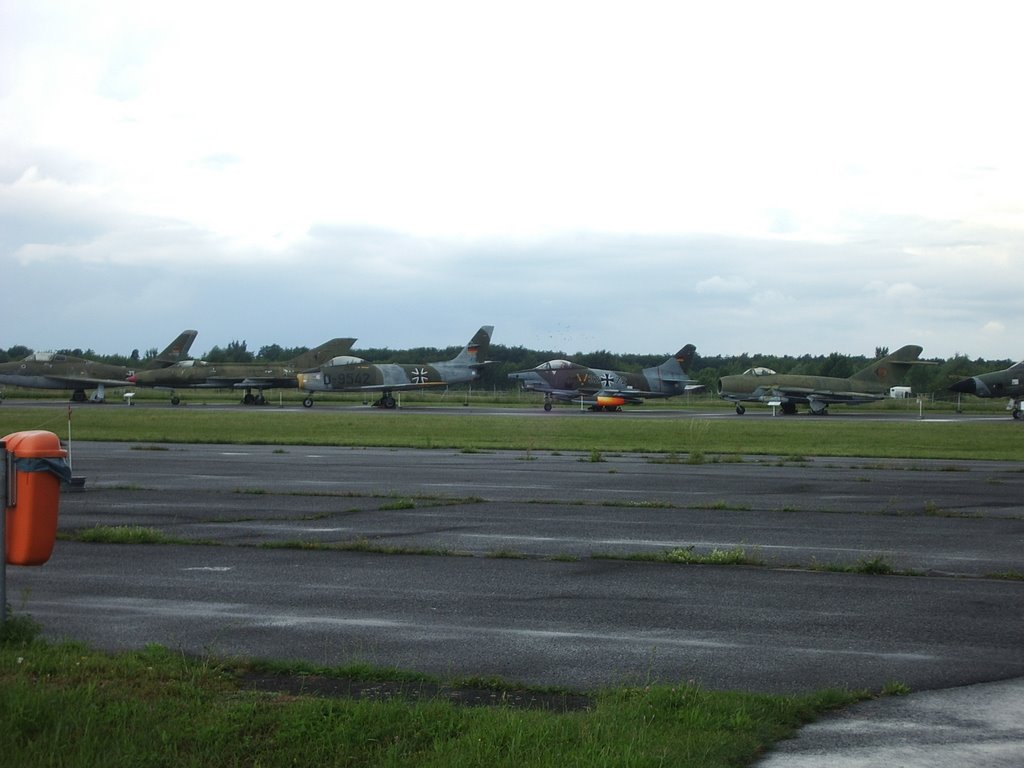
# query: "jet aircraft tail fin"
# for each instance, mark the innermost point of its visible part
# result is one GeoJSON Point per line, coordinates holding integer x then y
{"type": "Point", "coordinates": [685, 357]}
{"type": "Point", "coordinates": [475, 352]}
{"type": "Point", "coordinates": [891, 369]}
{"type": "Point", "coordinates": [321, 355]}
{"type": "Point", "coordinates": [175, 352]}
{"type": "Point", "coordinates": [682, 359]}
{"type": "Point", "coordinates": [675, 368]}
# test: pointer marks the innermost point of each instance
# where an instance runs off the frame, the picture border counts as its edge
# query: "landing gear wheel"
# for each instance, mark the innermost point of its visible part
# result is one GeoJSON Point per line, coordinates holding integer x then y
{"type": "Point", "coordinates": [260, 400]}
{"type": "Point", "coordinates": [740, 410]}
{"type": "Point", "coordinates": [1018, 414]}
{"type": "Point", "coordinates": [175, 400]}
{"type": "Point", "coordinates": [307, 403]}
{"type": "Point", "coordinates": [547, 406]}
{"type": "Point", "coordinates": [248, 399]}
{"type": "Point", "coordinates": [388, 401]}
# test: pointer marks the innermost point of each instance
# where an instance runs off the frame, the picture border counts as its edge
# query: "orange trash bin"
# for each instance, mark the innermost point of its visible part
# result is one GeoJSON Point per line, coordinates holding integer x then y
{"type": "Point", "coordinates": [39, 465]}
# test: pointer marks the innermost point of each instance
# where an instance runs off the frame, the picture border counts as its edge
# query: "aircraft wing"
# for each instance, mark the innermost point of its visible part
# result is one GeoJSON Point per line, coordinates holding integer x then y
{"type": "Point", "coordinates": [265, 382]}
{"type": "Point", "coordinates": [806, 395]}
{"type": "Point", "coordinates": [211, 382]}
{"type": "Point", "coordinates": [394, 387]}
{"type": "Point", "coordinates": [249, 382]}
{"type": "Point", "coordinates": [560, 394]}
{"type": "Point", "coordinates": [78, 382]}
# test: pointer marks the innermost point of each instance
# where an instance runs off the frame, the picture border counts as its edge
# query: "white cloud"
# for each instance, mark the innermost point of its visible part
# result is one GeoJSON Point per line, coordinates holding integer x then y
{"type": "Point", "coordinates": [897, 291]}
{"type": "Point", "coordinates": [723, 285]}
{"type": "Point", "coordinates": [570, 166]}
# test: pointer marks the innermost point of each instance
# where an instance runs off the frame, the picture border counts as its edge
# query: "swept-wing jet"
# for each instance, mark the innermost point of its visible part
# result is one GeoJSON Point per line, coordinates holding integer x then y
{"type": "Point", "coordinates": [353, 374]}
{"type": "Point", "coordinates": [819, 392]}
{"type": "Point", "coordinates": [609, 390]}
{"type": "Point", "coordinates": [1008, 383]}
{"type": "Point", "coordinates": [48, 370]}
{"type": "Point", "coordinates": [200, 374]}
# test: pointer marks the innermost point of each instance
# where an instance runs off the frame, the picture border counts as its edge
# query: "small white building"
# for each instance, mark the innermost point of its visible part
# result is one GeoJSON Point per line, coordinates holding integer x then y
{"type": "Point", "coordinates": [898, 393]}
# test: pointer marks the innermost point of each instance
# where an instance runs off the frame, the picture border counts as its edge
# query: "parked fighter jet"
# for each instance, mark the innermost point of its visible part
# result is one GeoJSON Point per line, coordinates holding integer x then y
{"type": "Point", "coordinates": [819, 392]}
{"type": "Point", "coordinates": [353, 374]}
{"type": "Point", "coordinates": [608, 390]}
{"type": "Point", "coordinates": [1008, 382]}
{"type": "Point", "coordinates": [199, 374]}
{"type": "Point", "coordinates": [48, 370]}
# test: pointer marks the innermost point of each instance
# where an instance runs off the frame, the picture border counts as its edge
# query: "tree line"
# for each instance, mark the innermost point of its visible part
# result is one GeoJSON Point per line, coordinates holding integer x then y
{"type": "Point", "coordinates": [706, 369]}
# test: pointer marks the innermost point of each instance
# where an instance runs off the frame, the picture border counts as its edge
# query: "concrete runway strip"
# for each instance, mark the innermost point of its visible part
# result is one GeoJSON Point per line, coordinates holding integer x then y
{"type": "Point", "coordinates": [537, 600]}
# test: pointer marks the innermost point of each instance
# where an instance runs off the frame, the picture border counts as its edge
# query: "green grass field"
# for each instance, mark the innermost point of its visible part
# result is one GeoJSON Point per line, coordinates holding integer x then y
{"type": "Point", "coordinates": [65, 704]}
{"type": "Point", "coordinates": [603, 432]}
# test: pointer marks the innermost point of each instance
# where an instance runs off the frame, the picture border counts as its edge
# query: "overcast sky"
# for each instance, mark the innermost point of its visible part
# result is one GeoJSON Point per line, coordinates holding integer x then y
{"type": "Point", "coordinates": [786, 177]}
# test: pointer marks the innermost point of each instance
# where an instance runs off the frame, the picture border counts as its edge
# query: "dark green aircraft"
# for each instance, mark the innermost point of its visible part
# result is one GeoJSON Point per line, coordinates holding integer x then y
{"type": "Point", "coordinates": [763, 385]}
{"type": "Point", "coordinates": [48, 370]}
{"type": "Point", "coordinates": [353, 374]}
{"type": "Point", "coordinates": [605, 390]}
{"type": "Point", "coordinates": [199, 374]}
{"type": "Point", "coordinates": [1008, 383]}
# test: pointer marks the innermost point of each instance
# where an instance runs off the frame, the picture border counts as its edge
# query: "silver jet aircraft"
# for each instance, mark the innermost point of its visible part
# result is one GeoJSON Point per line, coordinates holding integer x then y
{"type": "Point", "coordinates": [353, 374]}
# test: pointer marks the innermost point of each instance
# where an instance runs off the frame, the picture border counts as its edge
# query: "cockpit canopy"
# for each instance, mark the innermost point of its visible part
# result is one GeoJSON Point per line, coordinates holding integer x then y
{"type": "Point", "coordinates": [759, 371]}
{"type": "Point", "coordinates": [45, 357]}
{"type": "Point", "coordinates": [555, 365]}
{"type": "Point", "coordinates": [344, 360]}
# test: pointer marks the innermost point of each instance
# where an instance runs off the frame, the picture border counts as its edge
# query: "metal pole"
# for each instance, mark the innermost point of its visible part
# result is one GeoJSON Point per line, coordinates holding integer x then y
{"type": "Point", "coordinates": [70, 466]}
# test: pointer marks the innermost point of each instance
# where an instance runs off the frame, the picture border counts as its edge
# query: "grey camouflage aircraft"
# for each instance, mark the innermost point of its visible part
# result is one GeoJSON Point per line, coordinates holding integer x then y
{"type": "Point", "coordinates": [1008, 383]}
{"type": "Point", "coordinates": [819, 392]}
{"type": "Point", "coordinates": [49, 370]}
{"type": "Point", "coordinates": [200, 374]}
{"type": "Point", "coordinates": [353, 374]}
{"type": "Point", "coordinates": [605, 390]}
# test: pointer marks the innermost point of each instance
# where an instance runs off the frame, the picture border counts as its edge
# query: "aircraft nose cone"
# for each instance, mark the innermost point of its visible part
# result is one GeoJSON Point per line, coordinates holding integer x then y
{"type": "Point", "coordinates": [968, 386]}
